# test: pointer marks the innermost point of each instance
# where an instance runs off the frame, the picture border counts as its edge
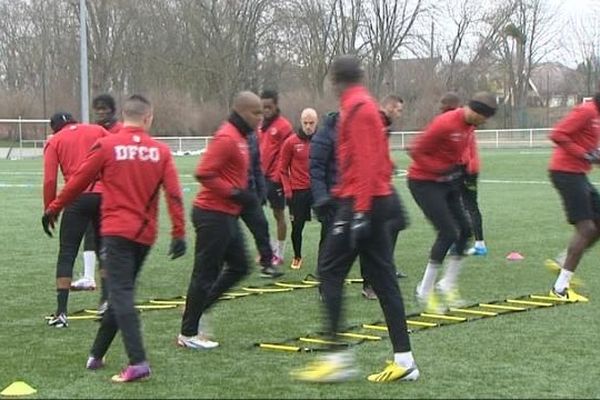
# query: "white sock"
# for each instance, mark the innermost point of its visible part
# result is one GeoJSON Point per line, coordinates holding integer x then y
{"type": "Point", "coordinates": [448, 282]}
{"type": "Point", "coordinates": [480, 243]}
{"type": "Point", "coordinates": [405, 360]}
{"type": "Point", "coordinates": [426, 286]}
{"type": "Point", "coordinates": [562, 282]}
{"type": "Point", "coordinates": [89, 265]}
{"type": "Point", "coordinates": [281, 248]}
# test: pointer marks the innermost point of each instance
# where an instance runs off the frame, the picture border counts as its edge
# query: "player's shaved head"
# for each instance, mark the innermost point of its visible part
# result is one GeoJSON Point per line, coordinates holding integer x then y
{"type": "Point", "coordinates": [137, 111]}
{"type": "Point", "coordinates": [136, 107]}
{"type": "Point", "coordinates": [245, 100]}
{"type": "Point", "coordinates": [248, 106]}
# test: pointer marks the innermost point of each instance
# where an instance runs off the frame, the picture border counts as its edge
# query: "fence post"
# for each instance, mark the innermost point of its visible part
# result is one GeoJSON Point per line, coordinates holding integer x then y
{"type": "Point", "coordinates": [180, 145]}
{"type": "Point", "coordinates": [20, 138]}
{"type": "Point", "coordinates": [402, 139]}
{"type": "Point", "coordinates": [530, 138]}
{"type": "Point", "coordinates": [497, 138]}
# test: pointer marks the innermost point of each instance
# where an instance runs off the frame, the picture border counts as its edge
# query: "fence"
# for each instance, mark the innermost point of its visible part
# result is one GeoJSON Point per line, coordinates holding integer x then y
{"type": "Point", "coordinates": [486, 138]}
{"type": "Point", "coordinates": [31, 138]}
{"type": "Point", "coordinates": [24, 138]}
{"type": "Point", "coordinates": [489, 138]}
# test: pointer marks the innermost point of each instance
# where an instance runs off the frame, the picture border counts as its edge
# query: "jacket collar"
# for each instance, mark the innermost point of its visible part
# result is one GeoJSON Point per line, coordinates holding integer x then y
{"type": "Point", "coordinates": [240, 124]}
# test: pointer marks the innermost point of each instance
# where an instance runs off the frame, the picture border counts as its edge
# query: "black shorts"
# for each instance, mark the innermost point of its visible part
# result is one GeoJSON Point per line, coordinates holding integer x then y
{"type": "Point", "coordinates": [580, 198]}
{"type": "Point", "coordinates": [275, 195]}
{"type": "Point", "coordinates": [300, 205]}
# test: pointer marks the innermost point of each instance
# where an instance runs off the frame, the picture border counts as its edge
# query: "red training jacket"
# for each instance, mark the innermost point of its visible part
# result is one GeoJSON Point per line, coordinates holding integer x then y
{"type": "Point", "coordinates": [362, 150]}
{"type": "Point", "coordinates": [116, 127]}
{"type": "Point", "coordinates": [575, 135]}
{"type": "Point", "coordinates": [471, 156]}
{"type": "Point", "coordinates": [223, 167]}
{"type": "Point", "coordinates": [441, 146]}
{"type": "Point", "coordinates": [67, 149]}
{"type": "Point", "coordinates": [293, 165]}
{"type": "Point", "coordinates": [134, 166]}
{"type": "Point", "coordinates": [271, 139]}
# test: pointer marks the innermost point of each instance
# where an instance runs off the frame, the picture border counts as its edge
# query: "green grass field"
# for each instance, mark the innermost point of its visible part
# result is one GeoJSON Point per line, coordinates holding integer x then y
{"type": "Point", "coordinates": [549, 353]}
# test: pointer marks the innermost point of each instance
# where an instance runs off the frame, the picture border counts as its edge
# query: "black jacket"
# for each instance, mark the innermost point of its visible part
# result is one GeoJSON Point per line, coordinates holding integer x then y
{"type": "Point", "coordinates": [323, 171]}
{"type": "Point", "coordinates": [256, 179]}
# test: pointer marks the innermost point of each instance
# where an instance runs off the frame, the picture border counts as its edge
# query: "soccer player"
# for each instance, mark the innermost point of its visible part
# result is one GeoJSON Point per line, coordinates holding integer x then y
{"type": "Point", "coordinates": [273, 132]}
{"type": "Point", "coordinates": [295, 178]}
{"type": "Point", "coordinates": [577, 138]}
{"type": "Point", "coordinates": [134, 168]}
{"type": "Point", "coordinates": [364, 204]}
{"type": "Point", "coordinates": [323, 176]}
{"type": "Point", "coordinates": [451, 101]}
{"type": "Point", "coordinates": [254, 216]}
{"type": "Point", "coordinates": [435, 179]}
{"type": "Point", "coordinates": [66, 150]}
{"type": "Point", "coordinates": [223, 173]}
{"type": "Point", "coordinates": [105, 115]}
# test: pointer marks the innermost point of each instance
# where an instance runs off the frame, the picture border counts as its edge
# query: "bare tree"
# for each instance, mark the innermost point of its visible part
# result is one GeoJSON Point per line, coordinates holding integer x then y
{"type": "Point", "coordinates": [389, 25]}
{"type": "Point", "coordinates": [584, 46]}
{"type": "Point", "coordinates": [526, 40]}
{"type": "Point", "coordinates": [465, 17]}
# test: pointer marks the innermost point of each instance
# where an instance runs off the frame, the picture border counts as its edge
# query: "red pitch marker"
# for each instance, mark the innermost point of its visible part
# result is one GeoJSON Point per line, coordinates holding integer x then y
{"type": "Point", "coordinates": [514, 256]}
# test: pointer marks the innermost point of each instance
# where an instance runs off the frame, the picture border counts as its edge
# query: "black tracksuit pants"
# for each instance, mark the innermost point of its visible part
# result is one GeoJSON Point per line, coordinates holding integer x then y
{"type": "Point", "coordinates": [337, 258]}
{"type": "Point", "coordinates": [256, 221]}
{"type": "Point", "coordinates": [219, 241]}
{"type": "Point", "coordinates": [442, 204]}
{"type": "Point", "coordinates": [122, 260]}
{"type": "Point", "coordinates": [472, 205]}
{"type": "Point", "coordinates": [76, 218]}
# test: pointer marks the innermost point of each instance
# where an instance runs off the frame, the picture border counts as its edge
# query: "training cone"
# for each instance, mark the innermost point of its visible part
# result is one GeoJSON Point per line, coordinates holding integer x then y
{"type": "Point", "coordinates": [514, 256]}
{"type": "Point", "coordinates": [18, 388]}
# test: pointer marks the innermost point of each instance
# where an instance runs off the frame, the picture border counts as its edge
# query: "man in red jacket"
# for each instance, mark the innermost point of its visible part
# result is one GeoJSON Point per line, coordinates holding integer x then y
{"type": "Point", "coordinates": [577, 138]}
{"type": "Point", "coordinates": [105, 115]}
{"type": "Point", "coordinates": [66, 149]}
{"type": "Point", "coordinates": [451, 101]}
{"type": "Point", "coordinates": [295, 178]}
{"type": "Point", "coordinates": [133, 169]}
{"type": "Point", "coordinates": [435, 179]}
{"type": "Point", "coordinates": [363, 195]}
{"type": "Point", "coordinates": [274, 130]}
{"type": "Point", "coordinates": [224, 192]}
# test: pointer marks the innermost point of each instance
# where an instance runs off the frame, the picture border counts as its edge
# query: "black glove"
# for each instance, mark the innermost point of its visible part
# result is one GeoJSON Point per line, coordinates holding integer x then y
{"type": "Point", "coordinates": [360, 228]}
{"type": "Point", "coordinates": [244, 197]}
{"type": "Point", "coordinates": [324, 209]}
{"type": "Point", "coordinates": [48, 221]}
{"type": "Point", "coordinates": [177, 248]}
{"type": "Point", "coordinates": [453, 174]}
{"type": "Point", "coordinates": [593, 156]}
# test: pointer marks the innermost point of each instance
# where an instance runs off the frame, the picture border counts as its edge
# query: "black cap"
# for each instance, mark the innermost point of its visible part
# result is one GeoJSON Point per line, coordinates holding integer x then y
{"type": "Point", "coordinates": [60, 119]}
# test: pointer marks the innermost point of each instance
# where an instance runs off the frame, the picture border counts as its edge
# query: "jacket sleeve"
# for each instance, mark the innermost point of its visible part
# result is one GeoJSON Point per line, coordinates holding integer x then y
{"type": "Point", "coordinates": [173, 197]}
{"type": "Point", "coordinates": [50, 173]}
{"type": "Point", "coordinates": [285, 160]}
{"type": "Point", "coordinates": [86, 173]}
{"type": "Point", "coordinates": [259, 178]}
{"type": "Point", "coordinates": [570, 126]}
{"type": "Point", "coordinates": [472, 155]}
{"type": "Point", "coordinates": [321, 154]}
{"type": "Point", "coordinates": [425, 146]}
{"type": "Point", "coordinates": [209, 169]}
{"type": "Point", "coordinates": [362, 144]}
